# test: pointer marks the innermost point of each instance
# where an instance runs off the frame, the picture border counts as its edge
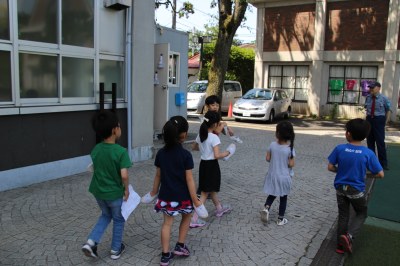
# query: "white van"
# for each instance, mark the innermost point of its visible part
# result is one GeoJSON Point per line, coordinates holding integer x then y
{"type": "Point", "coordinates": [196, 95]}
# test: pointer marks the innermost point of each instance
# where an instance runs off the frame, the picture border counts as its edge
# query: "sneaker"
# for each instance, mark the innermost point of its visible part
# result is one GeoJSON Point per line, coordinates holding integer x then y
{"type": "Point", "coordinates": [148, 198]}
{"type": "Point", "coordinates": [198, 223]}
{"type": "Point", "coordinates": [339, 249]}
{"type": "Point", "coordinates": [165, 260]}
{"type": "Point", "coordinates": [117, 254]}
{"type": "Point", "coordinates": [89, 250]}
{"type": "Point", "coordinates": [181, 251]}
{"type": "Point", "coordinates": [346, 242]}
{"type": "Point", "coordinates": [264, 215]}
{"type": "Point", "coordinates": [282, 222]}
{"type": "Point", "coordinates": [201, 211]}
{"type": "Point", "coordinates": [222, 211]}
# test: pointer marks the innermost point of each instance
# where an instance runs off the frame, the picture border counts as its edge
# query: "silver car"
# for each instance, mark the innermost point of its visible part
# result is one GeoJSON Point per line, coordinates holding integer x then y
{"type": "Point", "coordinates": [262, 104]}
{"type": "Point", "coordinates": [196, 95]}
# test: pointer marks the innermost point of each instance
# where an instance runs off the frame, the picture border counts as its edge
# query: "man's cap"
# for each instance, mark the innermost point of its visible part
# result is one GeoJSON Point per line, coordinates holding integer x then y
{"type": "Point", "coordinates": [374, 84]}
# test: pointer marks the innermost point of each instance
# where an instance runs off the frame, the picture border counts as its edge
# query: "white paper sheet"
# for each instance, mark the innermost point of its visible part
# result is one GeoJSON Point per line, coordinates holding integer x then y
{"type": "Point", "coordinates": [131, 204]}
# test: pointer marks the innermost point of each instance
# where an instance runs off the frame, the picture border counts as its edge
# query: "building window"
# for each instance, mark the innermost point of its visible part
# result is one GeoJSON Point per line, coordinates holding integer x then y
{"type": "Point", "coordinates": [37, 20]}
{"type": "Point", "coordinates": [78, 23]}
{"type": "Point", "coordinates": [112, 72]}
{"type": "Point", "coordinates": [349, 84]}
{"type": "Point", "coordinates": [173, 69]}
{"type": "Point", "coordinates": [293, 79]}
{"type": "Point", "coordinates": [57, 57]}
{"type": "Point", "coordinates": [77, 77]}
{"type": "Point", "coordinates": [38, 76]}
{"type": "Point", "coordinates": [4, 20]}
{"type": "Point", "coordinates": [5, 77]}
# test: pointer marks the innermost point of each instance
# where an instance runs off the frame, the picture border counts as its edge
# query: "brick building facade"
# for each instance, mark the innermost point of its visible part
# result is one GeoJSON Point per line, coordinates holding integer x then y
{"type": "Point", "coordinates": [325, 52]}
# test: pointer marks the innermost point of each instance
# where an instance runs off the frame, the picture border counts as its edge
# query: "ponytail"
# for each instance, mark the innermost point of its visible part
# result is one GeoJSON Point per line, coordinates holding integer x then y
{"type": "Point", "coordinates": [173, 129]}
{"type": "Point", "coordinates": [203, 132]}
{"type": "Point", "coordinates": [291, 146]}
{"type": "Point", "coordinates": [210, 118]}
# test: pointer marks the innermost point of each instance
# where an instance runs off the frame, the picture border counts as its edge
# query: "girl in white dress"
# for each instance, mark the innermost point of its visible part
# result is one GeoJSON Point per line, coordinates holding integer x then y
{"type": "Point", "coordinates": [278, 181]}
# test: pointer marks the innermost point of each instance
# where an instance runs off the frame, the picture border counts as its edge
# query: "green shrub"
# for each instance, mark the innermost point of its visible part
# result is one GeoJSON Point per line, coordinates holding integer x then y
{"type": "Point", "coordinates": [334, 111]}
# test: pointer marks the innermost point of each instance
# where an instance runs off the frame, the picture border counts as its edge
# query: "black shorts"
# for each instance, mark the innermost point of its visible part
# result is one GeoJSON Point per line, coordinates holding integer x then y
{"type": "Point", "coordinates": [209, 176]}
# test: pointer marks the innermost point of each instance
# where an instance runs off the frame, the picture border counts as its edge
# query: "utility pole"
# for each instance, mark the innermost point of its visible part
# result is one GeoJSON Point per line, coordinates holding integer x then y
{"type": "Point", "coordinates": [193, 42]}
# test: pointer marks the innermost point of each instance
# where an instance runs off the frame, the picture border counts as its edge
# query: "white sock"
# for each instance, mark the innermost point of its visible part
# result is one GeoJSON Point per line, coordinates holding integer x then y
{"type": "Point", "coordinates": [91, 243]}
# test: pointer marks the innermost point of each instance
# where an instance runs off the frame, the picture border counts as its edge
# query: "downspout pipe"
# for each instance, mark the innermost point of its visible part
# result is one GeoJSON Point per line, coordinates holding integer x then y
{"type": "Point", "coordinates": [128, 79]}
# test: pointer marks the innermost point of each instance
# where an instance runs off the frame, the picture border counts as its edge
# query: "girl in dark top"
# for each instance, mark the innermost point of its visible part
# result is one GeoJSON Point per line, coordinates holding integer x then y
{"type": "Point", "coordinates": [175, 186]}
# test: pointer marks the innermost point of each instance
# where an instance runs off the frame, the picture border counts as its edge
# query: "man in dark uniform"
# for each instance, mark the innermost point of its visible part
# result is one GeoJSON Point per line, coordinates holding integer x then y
{"type": "Point", "coordinates": [378, 114]}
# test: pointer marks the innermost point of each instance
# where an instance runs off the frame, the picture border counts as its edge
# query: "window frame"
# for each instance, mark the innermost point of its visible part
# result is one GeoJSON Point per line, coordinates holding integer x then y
{"type": "Point", "coordinates": [281, 76]}
{"type": "Point", "coordinates": [116, 58]}
{"type": "Point", "coordinates": [16, 46]}
{"type": "Point", "coordinates": [176, 70]}
{"type": "Point", "coordinates": [50, 100]}
{"type": "Point", "coordinates": [9, 23]}
{"type": "Point", "coordinates": [344, 78]}
{"type": "Point", "coordinates": [71, 100]}
{"type": "Point", "coordinates": [8, 48]}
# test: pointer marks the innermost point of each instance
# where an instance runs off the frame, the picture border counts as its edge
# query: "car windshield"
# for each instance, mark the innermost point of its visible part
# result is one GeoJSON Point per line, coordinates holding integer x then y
{"type": "Point", "coordinates": [258, 94]}
{"type": "Point", "coordinates": [197, 87]}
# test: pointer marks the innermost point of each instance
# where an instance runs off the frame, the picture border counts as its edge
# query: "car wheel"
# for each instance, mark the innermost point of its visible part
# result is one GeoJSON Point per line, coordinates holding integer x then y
{"type": "Point", "coordinates": [287, 114]}
{"type": "Point", "coordinates": [271, 116]}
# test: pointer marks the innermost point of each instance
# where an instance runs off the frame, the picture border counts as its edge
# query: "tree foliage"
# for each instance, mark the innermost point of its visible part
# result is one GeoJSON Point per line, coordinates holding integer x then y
{"type": "Point", "coordinates": [185, 10]}
{"type": "Point", "coordinates": [210, 30]}
{"type": "Point", "coordinates": [231, 13]}
{"type": "Point", "coordinates": [240, 65]}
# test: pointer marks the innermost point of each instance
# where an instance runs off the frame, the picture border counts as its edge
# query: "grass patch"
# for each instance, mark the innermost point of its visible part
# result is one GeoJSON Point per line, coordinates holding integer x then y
{"type": "Point", "coordinates": [385, 198]}
{"type": "Point", "coordinates": [375, 246]}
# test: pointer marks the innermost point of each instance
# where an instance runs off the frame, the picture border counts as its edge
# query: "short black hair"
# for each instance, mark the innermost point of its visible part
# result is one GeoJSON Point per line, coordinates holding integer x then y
{"type": "Point", "coordinates": [213, 99]}
{"type": "Point", "coordinates": [358, 128]}
{"type": "Point", "coordinates": [104, 122]}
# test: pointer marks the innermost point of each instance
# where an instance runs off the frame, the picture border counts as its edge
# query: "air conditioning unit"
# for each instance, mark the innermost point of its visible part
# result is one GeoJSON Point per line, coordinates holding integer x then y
{"type": "Point", "coordinates": [117, 4]}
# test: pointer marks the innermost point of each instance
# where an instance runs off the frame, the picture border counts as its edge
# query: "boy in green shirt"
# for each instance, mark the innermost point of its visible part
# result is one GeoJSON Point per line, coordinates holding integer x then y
{"type": "Point", "coordinates": [109, 183]}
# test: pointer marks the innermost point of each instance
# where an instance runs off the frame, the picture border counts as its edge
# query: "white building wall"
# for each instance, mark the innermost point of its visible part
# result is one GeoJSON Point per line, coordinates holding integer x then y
{"type": "Point", "coordinates": [142, 93]}
{"type": "Point", "coordinates": [178, 43]}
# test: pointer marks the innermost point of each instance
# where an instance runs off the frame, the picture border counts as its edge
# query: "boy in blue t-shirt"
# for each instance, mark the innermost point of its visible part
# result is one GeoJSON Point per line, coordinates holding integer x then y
{"type": "Point", "coordinates": [350, 162]}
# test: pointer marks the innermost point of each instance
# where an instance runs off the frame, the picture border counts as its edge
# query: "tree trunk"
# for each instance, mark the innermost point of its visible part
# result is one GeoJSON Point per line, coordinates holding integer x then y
{"type": "Point", "coordinates": [229, 20]}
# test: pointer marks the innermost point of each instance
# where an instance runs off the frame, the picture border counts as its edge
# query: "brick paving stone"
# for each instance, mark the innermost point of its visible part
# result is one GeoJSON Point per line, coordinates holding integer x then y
{"type": "Point", "coordinates": [47, 223]}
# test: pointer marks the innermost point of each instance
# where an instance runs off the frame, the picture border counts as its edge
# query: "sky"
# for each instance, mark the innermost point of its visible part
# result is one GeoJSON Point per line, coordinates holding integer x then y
{"type": "Point", "coordinates": [202, 16]}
